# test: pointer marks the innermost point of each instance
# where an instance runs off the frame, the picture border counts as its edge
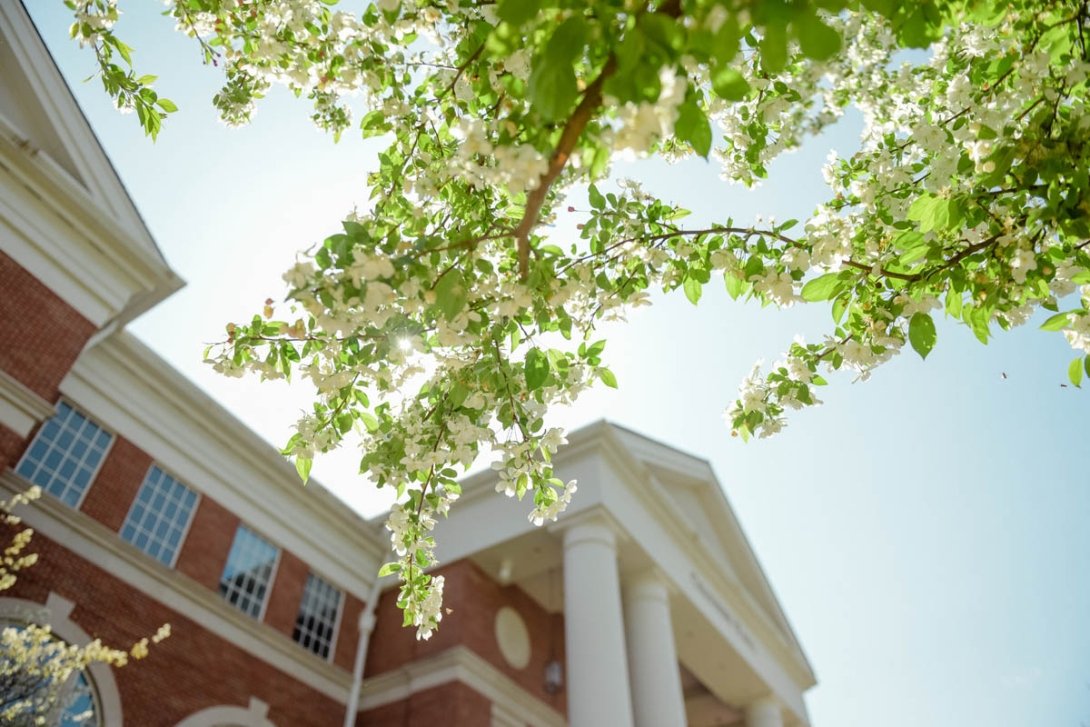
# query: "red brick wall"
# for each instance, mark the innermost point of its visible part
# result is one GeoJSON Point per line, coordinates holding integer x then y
{"type": "Point", "coordinates": [41, 335]}
{"type": "Point", "coordinates": [287, 593]}
{"type": "Point", "coordinates": [473, 599]}
{"type": "Point", "coordinates": [11, 448]}
{"type": "Point", "coordinates": [447, 705]}
{"type": "Point", "coordinates": [192, 670]}
{"type": "Point", "coordinates": [111, 494]}
{"type": "Point", "coordinates": [205, 549]}
{"type": "Point", "coordinates": [349, 636]}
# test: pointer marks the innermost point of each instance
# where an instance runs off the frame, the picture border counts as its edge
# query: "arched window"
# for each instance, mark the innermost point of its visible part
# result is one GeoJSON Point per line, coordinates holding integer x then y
{"type": "Point", "coordinates": [90, 698]}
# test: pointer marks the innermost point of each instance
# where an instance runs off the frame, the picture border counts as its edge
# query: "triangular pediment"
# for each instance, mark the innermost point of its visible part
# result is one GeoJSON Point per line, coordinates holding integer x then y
{"type": "Point", "coordinates": [40, 115]}
{"type": "Point", "coordinates": [690, 483]}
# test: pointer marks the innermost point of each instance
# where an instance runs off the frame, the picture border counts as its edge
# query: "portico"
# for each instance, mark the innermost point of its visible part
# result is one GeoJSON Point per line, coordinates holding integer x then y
{"type": "Point", "coordinates": [667, 616]}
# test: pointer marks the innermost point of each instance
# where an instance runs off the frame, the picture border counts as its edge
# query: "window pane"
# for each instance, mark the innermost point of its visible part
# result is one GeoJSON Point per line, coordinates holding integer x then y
{"type": "Point", "coordinates": [249, 567]}
{"type": "Point", "coordinates": [317, 620]}
{"type": "Point", "coordinates": [64, 453]}
{"type": "Point", "coordinates": [152, 527]}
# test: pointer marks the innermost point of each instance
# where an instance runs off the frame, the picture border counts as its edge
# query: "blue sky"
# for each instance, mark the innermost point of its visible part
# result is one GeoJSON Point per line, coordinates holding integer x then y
{"type": "Point", "coordinates": [926, 531]}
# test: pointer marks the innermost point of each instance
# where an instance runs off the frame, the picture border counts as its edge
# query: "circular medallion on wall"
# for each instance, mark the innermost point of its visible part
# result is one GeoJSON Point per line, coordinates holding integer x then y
{"type": "Point", "coordinates": [513, 637]}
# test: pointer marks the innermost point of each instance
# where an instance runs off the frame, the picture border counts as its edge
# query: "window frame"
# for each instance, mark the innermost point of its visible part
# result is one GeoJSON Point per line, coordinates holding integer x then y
{"type": "Point", "coordinates": [273, 572]}
{"type": "Point", "coordinates": [185, 529]}
{"type": "Point", "coordinates": [342, 600]}
{"type": "Point", "coordinates": [93, 477]}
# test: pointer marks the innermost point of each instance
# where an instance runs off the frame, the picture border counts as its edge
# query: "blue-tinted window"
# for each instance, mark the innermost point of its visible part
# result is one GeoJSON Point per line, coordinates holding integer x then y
{"type": "Point", "coordinates": [65, 454]}
{"type": "Point", "coordinates": [248, 573]}
{"type": "Point", "coordinates": [159, 516]}
{"type": "Point", "coordinates": [316, 624]}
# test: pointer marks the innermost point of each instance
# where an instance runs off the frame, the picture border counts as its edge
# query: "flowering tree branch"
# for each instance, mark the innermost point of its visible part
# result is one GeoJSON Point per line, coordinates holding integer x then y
{"type": "Point", "coordinates": [430, 337]}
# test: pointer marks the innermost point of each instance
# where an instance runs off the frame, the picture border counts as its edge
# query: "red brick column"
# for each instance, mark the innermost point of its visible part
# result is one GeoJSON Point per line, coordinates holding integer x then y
{"type": "Point", "coordinates": [286, 593]}
{"type": "Point", "coordinates": [348, 637]}
{"type": "Point", "coordinates": [205, 549]}
{"type": "Point", "coordinates": [113, 491]}
{"type": "Point", "coordinates": [40, 334]}
{"type": "Point", "coordinates": [11, 448]}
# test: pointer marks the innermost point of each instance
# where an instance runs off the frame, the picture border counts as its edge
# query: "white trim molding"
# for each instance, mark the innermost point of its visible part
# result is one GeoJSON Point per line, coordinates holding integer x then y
{"type": "Point", "coordinates": [93, 541]}
{"type": "Point", "coordinates": [253, 716]}
{"type": "Point", "coordinates": [20, 408]}
{"type": "Point", "coordinates": [460, 664]}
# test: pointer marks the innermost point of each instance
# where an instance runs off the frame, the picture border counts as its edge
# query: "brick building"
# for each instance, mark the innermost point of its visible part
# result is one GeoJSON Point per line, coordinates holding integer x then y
{"type": "Point", "coordinates": [644, 605]}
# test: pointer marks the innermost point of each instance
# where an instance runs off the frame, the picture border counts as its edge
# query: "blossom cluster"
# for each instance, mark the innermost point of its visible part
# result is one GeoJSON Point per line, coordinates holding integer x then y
{"type": "Point", "coordinates": [36, 667]}
{"type": "Point", "coordinates": [446, 321]}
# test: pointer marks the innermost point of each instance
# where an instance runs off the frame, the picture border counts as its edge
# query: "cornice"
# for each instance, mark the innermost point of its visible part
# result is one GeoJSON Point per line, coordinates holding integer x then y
{"type": "Point", "coordinates": [64, 235]}
{"type": "Point", "coordinates": [20, 408]}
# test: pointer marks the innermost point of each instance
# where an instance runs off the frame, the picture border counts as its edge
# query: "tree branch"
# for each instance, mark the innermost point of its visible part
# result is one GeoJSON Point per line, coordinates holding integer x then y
{"type": "Point", "coordinates": [573, 129]}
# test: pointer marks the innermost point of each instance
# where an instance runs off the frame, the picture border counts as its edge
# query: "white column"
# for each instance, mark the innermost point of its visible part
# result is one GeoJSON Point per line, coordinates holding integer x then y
{"type": "Point", "coordinates": [597, 678]}
{"type": "Point", "coordinates": [764, 712]}
{"type": "Point", "coordinates": [657, 698]}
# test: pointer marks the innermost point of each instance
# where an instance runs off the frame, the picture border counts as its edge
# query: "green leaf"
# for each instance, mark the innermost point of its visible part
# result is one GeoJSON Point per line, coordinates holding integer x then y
{"type": "Point", "coordinates": [936, 213]}
{"type": "Point", "coordinates": [978, 318]}
{"type": "Point", "coordinates": [537, 369]}
{"type": "Point", "coordinates": [451, 293]}
{"type": "Point", "coordinates": [1074, 372]}
{"type": "Point", "coordinates": [735, 285]}
{"type": "Point", "coordinates": [663, 32]}
{"type": "Point", "coordinates": [166, 105]}
{"type": "Point", "coordinates": [693, 289]}
{"type": "Point", "coordinates": [124, 50]}
{"type": "Point", "coordinates": [823, 287]}
{"type": "Point", "coordinates": [553, 89]}
{"type": "Point", "coordinates": [1058, 321]}
{"type": "Point", "coordinates": [597, 201]}
{"type": "Point", "coordinates": [607, 377]}
{"type": "Point", "coordinates": [518, 12]}
{"type": "Point", "coordinates": [302, 466]}
{"type": "Point", "coordinates": [373, 124]}
{"type": "Point", "coordinates": [729, 84]}
{"type": "Point", "coordinates": [840, 305]}
{"type": "Point", "coordinates": [388, 569]}
{"type": "Point", "coordinates": [1086, 364]}
{"type": "Point", "coordinates": [693, 126]}
{"type": "Point", "coordinates": [921, 333]}
{"type": "Point", "coordinates": [773, 48]}
{"type": "Point", "coordinates": [568, 41]}
{"type": "Point", "coordinates": [816, 39]}
{"type": "Point", "coordinates": [953, 304]}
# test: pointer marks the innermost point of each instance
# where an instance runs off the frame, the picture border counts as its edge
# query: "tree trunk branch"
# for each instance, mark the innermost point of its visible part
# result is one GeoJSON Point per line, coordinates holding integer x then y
{"type": "Point", "coordinates": [573, 129]}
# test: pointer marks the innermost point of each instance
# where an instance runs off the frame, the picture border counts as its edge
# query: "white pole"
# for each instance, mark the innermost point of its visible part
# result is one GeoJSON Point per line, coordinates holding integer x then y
{"type": "Point", "coordinates": [366, 625]}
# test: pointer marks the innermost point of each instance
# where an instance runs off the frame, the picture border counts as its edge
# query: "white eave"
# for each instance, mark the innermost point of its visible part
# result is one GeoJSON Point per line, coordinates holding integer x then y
{"type": "Point", "coordinates": [64, 213]}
